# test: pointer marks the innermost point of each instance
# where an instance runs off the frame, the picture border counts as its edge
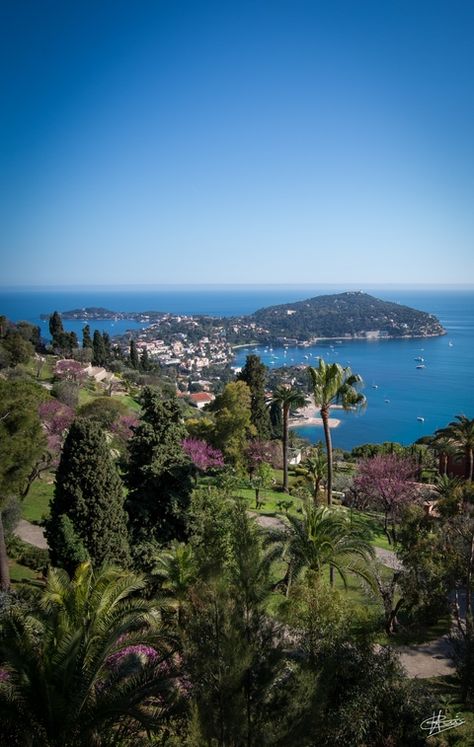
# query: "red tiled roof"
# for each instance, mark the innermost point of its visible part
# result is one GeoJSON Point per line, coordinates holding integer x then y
{"type": "Point", "coordinates": [201, 397]}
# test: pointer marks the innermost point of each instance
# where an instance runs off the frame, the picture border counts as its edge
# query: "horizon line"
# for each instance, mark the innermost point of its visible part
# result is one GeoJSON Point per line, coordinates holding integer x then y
{"type": "Point", "coordinates": [217, 285]}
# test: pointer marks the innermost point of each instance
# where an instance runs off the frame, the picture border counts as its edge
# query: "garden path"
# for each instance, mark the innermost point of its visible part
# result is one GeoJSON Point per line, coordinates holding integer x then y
{"type": "Point", "coordinates": [31, 533]}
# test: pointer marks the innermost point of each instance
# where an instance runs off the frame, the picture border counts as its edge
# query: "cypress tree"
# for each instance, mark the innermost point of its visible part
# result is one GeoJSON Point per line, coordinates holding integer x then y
{"type": "Point", "coordinates": [253, 374]}
{"type": "Point", "coordinates": [107, 348]}
{"type": "Point", "coordinates": [98, 349]}
{"type": "Point", "coordinates": [134, 361]}
{"type": "Point", "coordinates": [87, 510]}
{"type": "Point", "coordinates": [73, 341]}
{"type": "Point", "coordinates": [62, 340]}
{"type": "Point", "coordinates": [159, 473]}
{"type": "Point", "coordinates": [86, 337]}
{"type": "Point", "coordinates": [144, 360]}
{"type": "Point", "coordinates": [56, 329]}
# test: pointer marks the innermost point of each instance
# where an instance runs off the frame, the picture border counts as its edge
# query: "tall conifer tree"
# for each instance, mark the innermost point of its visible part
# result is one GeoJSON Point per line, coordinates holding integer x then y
{"type": "Point", "coordinates": [253, 374]}
{"type": "Point", "coordinates": [159, 472]}
{"type": "Point", "coordinates": [87, 510]}
{"type": "Point", "coordinates": [56, 328]}
{"type": "Point", "coordinates": [98, 349]}
{"type": "Point", "coordinates": [86, 337]}
{"type": "Point", "coordinates": [134, 361]}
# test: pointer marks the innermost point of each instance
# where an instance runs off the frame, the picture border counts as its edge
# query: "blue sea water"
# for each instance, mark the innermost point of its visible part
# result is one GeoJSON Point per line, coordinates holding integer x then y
{"type": "Point", "coordinates": [437, 393]}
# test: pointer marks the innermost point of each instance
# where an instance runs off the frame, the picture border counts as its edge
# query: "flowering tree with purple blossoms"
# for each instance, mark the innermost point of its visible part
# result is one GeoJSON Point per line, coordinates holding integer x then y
{"type": "Point", "coordinates": [261, 451]}
{"type": "Point", "coordinates": [203, 456]}
{"type": "Point", "coordinates": [69, 370]}
{"type": "Point", "coordinates": [123, 429]}
{"type": "Point", "coordinates": [55, 417]}
{"type": "Point", "coordinates": [385, 483]}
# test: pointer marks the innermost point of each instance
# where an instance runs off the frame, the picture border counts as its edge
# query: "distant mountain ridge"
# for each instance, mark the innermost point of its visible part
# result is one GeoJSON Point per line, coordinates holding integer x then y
{"type": "Point", "coordinates": [353, 314]}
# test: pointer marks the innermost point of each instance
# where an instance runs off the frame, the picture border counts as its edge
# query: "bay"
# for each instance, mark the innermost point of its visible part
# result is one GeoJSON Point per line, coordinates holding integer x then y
{"type": "Point", "coordinates": [437, 393]}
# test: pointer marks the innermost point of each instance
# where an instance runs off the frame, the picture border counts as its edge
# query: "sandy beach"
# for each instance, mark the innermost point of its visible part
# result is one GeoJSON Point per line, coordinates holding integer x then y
{"type": "Point", "coordinates": [309, 415]}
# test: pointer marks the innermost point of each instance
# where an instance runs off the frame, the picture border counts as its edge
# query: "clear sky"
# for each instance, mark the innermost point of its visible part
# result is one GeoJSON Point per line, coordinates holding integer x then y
{"type": "Point", "coordinates": [165, 141]}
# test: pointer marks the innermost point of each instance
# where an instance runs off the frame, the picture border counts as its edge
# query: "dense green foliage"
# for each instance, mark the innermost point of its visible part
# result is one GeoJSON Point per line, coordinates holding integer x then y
{"type": "Point", "coordinates": [232, 425]}
{"type": "Point", "coordinates": [22, 443]}
{"type": "Point", "coordinates": [62, 341]}
{"type": "Point", "coordinates": [352, 313]}
{"type": "Point", "coordinates": [88, 493]}
{"type": "Point", "coordinates": [254, 375]}
{"type": "Point", "coordinates": [87, 666]}
{"type": "Point", "coordinates": [159, 474]}
{"type": "Point", "coordinates": [236, 638]}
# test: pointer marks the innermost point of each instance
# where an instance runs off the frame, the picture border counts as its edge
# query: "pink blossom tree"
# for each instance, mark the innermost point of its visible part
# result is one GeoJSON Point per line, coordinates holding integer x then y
{"type": "Point", "coordinates": [386, 483]}
{"type": "Point", "coordinates": [123, 427]}
{"type": "Point", "coordinates": [69, 370]}
{"type": "Point", "coordinates": [258, 452]}
{"type": "Point", "coordinates": [203, 456]}
{"type": "Point", "coordinates": [56, 417]}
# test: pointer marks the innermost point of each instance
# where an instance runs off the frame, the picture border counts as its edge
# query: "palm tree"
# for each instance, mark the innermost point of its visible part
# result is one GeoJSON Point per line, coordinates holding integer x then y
{"type": "Point", "coordinates": [444, 448]}
{"type": "Point", "coordinates": [332, 384]}
{"type": "Point", "coordinates": [449, 494]}
{"type": "Point", "coordinates": [326, 537]}
{"type": "Point", "coordinates": [177, 570]}
{"type": "Point", "coordinates": [289, 399]}
{"type": "Point", "coordinates": [90, 664]}
{"type": "Point", "coordinates": [315, 466]}
{"type": "Point", "coordinates": [460, 432]}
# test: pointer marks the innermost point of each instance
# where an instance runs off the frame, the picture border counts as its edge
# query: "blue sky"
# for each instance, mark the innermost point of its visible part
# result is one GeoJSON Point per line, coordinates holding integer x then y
{"type": "Point", "coordinates": [227, 142]}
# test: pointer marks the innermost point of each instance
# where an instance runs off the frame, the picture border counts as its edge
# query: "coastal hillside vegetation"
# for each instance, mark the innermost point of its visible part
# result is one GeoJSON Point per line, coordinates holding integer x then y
{"type": "Point", "coordinates": [203, 577]}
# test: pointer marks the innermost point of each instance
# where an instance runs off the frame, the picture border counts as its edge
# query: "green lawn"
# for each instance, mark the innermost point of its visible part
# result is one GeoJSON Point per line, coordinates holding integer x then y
{"type": "Point", "coordinates": [129, 402]}
{"type": "Point", "coordinates": [86, 395]}
{"type": "Point", "coordinates": [46, 372]}
{"type": "Point", "coordinates": [21, 572]}
{"type": "Point", "coordinates": [269, 500]}
{"type": "Point", "coordinates": [36, 503]}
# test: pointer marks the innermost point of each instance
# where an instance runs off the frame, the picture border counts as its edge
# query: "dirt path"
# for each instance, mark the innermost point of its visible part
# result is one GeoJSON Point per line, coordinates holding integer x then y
{"type": "Point", "coordinates": [431, 659]}
{"type": "Point", "coordinates": [31, 533]}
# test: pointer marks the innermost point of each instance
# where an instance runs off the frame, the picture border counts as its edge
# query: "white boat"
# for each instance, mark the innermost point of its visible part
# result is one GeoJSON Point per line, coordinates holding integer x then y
{"type": "Point", "coordinates": [375, 386]}
{"type": "Point", "coordinates": [422, 420]}
{"type": "Point", "coordinates": [421, 365]}
{"type": "Point", "coordinates": [419, 358]}
{"type": "Point", "coordinates": [387, 401]}
{"type": "Point", "coordinates": [450, 344]}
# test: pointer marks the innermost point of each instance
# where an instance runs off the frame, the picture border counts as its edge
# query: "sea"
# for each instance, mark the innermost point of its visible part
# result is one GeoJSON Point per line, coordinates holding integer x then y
{"type": "Point", "coordinates": [403, 402]}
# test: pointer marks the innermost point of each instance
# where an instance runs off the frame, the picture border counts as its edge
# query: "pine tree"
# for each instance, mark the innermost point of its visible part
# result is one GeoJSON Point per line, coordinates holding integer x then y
{"type": "Point", "coordinates": [253, 374]}
{"type": "Point", "coordinates": [89, 493]}
{"type": "Point", "coordinates": [134, 362]}
{"type": "Point", "coordinates": [86, 337]}
{"type": "Point", "coordinates": [159, 473]}
{"type": "Point", "coordinates": [98, 349]}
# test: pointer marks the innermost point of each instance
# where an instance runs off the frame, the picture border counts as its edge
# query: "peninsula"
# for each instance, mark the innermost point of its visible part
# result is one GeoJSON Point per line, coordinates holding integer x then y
{"type": "Point", "coordinates": [350, 315]}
